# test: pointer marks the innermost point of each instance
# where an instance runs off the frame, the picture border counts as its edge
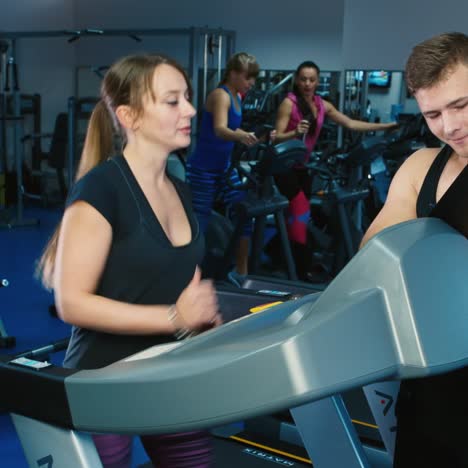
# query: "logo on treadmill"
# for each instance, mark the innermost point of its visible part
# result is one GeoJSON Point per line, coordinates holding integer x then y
{"type": "Point", "coordinates": [47, 461]}
{"type": "Point", "coordinates": [387, 401]}
{"type": "Point", "coordinates": [268, 457]}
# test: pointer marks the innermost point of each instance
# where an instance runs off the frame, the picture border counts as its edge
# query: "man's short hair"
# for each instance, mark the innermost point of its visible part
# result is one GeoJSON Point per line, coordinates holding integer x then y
{"type": "Point", "coordinates": [434, 59]}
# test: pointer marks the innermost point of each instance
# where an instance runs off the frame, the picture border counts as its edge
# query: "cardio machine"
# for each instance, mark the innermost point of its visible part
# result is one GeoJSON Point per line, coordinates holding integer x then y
{"type": "Point", "coordinates": [262, 201]}
{"type": "Point", "coordinates": [374, 322]}
{"type": "Point", "coordinates": [341, 188]}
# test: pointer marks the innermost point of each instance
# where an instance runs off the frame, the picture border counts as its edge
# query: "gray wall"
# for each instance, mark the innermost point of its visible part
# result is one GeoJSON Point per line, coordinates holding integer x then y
{"type": "Point", "coordinates": [261, 26]}
{"type": "Point", "coordinates": [45, 65]}
{"type": "Point", "coordinates": [337, 34]}
{"type": "Point", "coordinates": [380, 35]}
{"type": "Point", "coordinates": [33, 15]}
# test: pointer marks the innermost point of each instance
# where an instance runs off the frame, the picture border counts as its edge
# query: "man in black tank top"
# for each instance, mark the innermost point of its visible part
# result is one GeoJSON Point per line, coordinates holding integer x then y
{"type": "Point", "coordinates": [432, 413]}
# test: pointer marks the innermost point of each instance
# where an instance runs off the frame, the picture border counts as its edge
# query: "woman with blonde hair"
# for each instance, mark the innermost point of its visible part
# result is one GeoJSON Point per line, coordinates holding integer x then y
{"type": "Point", "coordinates": [127, 223]}
{"type": "Point", "coordinates": [208, 165]}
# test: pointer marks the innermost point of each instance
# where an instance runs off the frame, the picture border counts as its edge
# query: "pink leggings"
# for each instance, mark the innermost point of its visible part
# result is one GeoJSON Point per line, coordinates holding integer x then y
{"type": "Point", "coordinates": [183, 450]}
{"type": "Point", "coordinates": [298, 218]}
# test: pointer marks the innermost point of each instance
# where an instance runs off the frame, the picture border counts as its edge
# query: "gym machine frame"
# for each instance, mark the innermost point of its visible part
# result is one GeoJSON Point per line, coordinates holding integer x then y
{"type": "Point", "coordinates": [301, 354]}
{"type": "Point", "coordinates": [6, 341]}
{"type": "Point", "coordinates": [200, 40]}
{"type": "Point", "coordinates": [9, 71]}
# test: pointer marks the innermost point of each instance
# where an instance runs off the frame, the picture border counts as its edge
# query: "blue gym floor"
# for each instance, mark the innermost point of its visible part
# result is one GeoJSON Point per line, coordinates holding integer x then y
{"type": "Point", "coordinates": [24, 311]}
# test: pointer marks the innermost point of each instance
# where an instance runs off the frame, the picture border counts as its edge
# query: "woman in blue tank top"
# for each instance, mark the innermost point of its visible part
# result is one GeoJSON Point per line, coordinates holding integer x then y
{"type": "Point", "coordinates": [207, 166]}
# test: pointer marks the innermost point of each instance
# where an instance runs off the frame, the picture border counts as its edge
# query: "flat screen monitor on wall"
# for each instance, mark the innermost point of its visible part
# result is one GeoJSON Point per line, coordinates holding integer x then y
{"type": "Point", "coordinates": [376, 78]}
{"type": "Point", "coordinates": [380, 78]}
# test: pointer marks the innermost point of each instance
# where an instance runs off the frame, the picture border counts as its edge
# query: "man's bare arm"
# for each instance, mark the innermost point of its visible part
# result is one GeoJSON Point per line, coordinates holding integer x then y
{"type": "Point", "coordinates": [401, 199]}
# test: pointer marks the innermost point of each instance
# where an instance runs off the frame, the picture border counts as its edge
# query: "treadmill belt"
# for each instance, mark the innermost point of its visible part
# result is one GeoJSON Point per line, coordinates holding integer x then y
{"type": "Point", "coordinates": [234, 453]}
{"type": "Point", "coordinates": [230, 453]}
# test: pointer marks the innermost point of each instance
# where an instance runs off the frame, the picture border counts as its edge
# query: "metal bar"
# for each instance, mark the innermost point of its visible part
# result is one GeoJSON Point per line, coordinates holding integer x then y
{"type": "Point", "coordinates": [364, 93]}
{"type": "Point", "coordinates": [46, 349]}
{"type": "Point", "coordinates": [229, 254]}
{"type": "Point", "coordinates": [76, 81]}
{"type": "Point", "coordinates": [18, 154]}
{"type": "Point", "coordinates": [71, 140]}
{"type": "Point", "coordinates": [49, 446]}
{"type": "Point", "coordinates": [194, 47]}
{"type": "Point", "coordinates": [273, 90]}
{"type": "Point", "coordinates": [328, 434]}
{"type": "Point", "coordinates": [346, 232]}
{"type": "Point", "coordinates": [257, 243]}
{"type": "Point", "coordinates": [220, 55]}
{"type": "Point", "coordinates": [3, 332]}
{"type": "Point", "coordinates": [205, 66]}
{"type": "Point", "coordinates": [288, 256]}
{"type": "Point", "coordinates": [17, 118]}
{"type": "Point", "coordinates": [88, 32]}
{"type": "Point", "coordinates": [342, 106]}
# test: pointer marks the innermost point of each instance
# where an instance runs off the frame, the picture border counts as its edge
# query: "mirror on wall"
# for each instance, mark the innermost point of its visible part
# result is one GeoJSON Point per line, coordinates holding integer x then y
{"type": "Point", "coordinates": [272, 85]}
{"type": "Point", "coordinates": [377, 95]}
{"type": "Point", "coordinates": [383, 96]}
{"type": "Point", "coordinates": [277, 83]}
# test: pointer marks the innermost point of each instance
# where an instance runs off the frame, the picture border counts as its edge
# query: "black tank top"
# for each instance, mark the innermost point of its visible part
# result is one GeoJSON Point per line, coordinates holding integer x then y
{"type": "Point", "coordinates": [431, 411]}
{"type": "Point", "coordinates": [427, 196]}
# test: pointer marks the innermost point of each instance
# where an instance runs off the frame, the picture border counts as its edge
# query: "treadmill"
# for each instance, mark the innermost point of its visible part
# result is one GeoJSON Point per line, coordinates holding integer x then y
{"type": "Point", "coordinates": [377, 321]}
{"type": "Point", "coordinates": [372, 408]}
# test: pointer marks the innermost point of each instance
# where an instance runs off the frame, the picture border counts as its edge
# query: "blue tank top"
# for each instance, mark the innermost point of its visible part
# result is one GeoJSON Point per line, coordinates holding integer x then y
{"type": "Point", "coordinates": [211, 152]}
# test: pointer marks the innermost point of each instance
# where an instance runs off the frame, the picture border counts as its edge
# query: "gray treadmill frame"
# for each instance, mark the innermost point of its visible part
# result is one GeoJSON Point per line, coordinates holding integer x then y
{"type": "Point", "coordinates": [379, 301]}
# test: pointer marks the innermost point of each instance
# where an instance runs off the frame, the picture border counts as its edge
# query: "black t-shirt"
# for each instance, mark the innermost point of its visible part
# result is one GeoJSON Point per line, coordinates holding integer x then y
{"type": "Point", "coordinates": [142, 267]}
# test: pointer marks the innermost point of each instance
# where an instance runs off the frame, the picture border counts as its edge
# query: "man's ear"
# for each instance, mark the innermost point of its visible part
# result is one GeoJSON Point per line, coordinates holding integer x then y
{"type": "Point", "coordinates": [127, 117]}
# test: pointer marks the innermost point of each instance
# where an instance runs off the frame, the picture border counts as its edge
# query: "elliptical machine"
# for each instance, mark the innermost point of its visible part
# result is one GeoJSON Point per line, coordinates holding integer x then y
{"type": "Point", "coordinates": [340, 188]}
{"type": "Point", "coordinates": [262, 200]}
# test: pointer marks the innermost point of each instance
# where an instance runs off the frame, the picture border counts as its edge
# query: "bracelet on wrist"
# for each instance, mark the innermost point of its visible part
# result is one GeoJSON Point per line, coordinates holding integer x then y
{"type": "Point", "coordinates": [180, 333]}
